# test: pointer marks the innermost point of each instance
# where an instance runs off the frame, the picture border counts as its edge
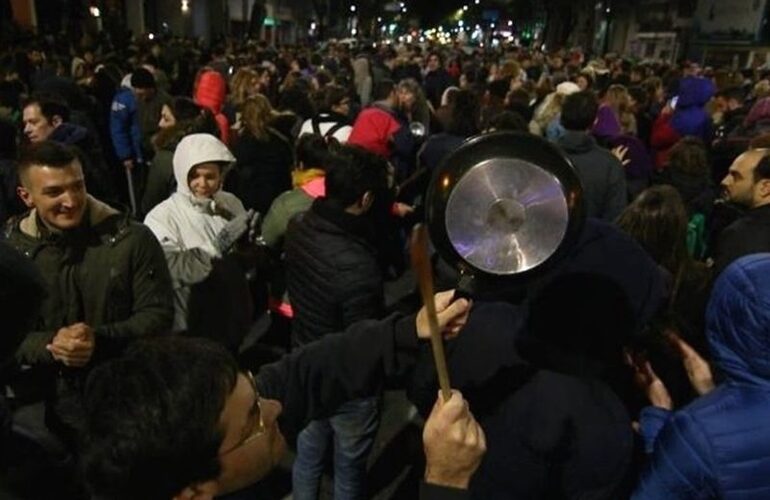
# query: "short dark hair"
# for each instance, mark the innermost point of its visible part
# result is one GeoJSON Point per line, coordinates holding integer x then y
{"type": "Point", "coordinates": [762, 170]}
{"type": "Point", "coordinates": [352, 172]}
{"type": "Point", "coordinates": [509, 120]}
{"type": "Point", "coordinates": [312, 151]}
{"type": "Point", "coordinates": [579, 110]}
{"type": "Point", "coordinates": [333, 96]}
{"type": "Point", "coordinates": [465, 115]}
{"type": "Point", "coordinates": [45, 154]}
{"type": "Point", "coordinates": [152, 418]}
{"type": "Point", "coordinates": [382, 89]}
{"type": "Point", "coordinates": [50, 105]}
{"type": "Point", "coordinates": [142, 78]}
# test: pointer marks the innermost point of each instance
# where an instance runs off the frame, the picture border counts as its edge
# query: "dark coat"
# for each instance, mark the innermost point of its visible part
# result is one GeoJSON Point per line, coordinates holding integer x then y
{"type": "Point", "coordinates": [602, 175]}
{"type": "Point", "coordinates": [435, 83]}
{"type": "Point", "coordinates": [110, 274]}
{"type": "Point", "coordinates": [747, 235]}
{"type": "Point", "coordinates": [333, 275]}
{"type": "Point", "coordinates": [554, 429]}
{"type": "Point", "coordinates": [262, 170]}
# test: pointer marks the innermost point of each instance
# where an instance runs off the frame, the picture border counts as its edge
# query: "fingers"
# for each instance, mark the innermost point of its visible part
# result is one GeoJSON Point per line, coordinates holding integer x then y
{"type": "Point", "coordinates": [76, 357]}
{"type": "Point", "coordinates": [453, 312]}
{"type": "Point", "coordinates": [443, 299]}
{"type": "Point", "coordinates": [685, 350]}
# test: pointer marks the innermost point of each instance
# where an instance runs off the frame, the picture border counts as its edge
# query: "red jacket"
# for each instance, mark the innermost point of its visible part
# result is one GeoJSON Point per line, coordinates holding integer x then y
{"type": "Point", "coordinates": [663, 138]}
{"type": "Point", "coordinates": [211, 93]}
{"type": "Point", "coordinates": [373, 131]}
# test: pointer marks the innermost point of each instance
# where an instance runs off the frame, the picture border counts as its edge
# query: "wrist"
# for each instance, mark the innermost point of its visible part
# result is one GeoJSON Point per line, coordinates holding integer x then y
{"type": "Point", "coordinates": [453, 479]}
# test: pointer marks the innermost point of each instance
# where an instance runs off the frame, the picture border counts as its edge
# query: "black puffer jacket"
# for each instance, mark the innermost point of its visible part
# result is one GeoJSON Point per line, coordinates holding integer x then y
{"type": "Point", "coordinates": [333, 277]}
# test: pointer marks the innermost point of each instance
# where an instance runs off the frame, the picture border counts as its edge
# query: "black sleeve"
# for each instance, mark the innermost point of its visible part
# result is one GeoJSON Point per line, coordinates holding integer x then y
{"type": "Point", "coordinates": [436, 492]}
{"type": "Point", "coordinates": [311, 382]}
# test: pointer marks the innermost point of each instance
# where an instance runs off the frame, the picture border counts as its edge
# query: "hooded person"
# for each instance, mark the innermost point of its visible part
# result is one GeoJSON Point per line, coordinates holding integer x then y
{"type": "Point", "coordinates": [686, 118]}
{"type": "Point", "coordinates": [717, 446]}
{"type": "Point", "coordinates": [211, 93]}
{"type": "Point", "coordinates": [200, 223]}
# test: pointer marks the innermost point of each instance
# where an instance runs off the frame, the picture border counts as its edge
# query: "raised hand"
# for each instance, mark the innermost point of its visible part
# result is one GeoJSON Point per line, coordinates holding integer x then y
{"type": "Point", "coordinates": [454, 443]}
{"type": "Point", "coordinates": [649, 383]}
{"type": "Point", "coordinates": [698, 370]}
{"type": "Point", "coordinates": [452, 316]}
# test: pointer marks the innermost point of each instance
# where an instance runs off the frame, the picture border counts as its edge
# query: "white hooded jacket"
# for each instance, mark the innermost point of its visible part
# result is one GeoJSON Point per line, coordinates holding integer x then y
{"type": "Point", "coordinates": [187, 227]}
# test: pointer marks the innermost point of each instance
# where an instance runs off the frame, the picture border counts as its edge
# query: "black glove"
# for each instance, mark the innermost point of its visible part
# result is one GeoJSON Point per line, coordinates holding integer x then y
{"type": "Point", "coordinates": [233, 231]}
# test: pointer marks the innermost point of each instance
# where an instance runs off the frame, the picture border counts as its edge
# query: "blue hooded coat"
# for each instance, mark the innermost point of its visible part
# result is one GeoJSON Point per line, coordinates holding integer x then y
{"type": "Point", "coordinates": [719, 445]}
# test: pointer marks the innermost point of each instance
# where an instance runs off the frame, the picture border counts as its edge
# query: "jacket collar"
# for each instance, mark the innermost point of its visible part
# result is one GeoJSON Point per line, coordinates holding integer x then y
{"type": "Point", "coordinates": [98, 218]}
{"type": "Point", "coordinates": [357, 225]}
{"type": "Point", "coordinates": [577, 142]}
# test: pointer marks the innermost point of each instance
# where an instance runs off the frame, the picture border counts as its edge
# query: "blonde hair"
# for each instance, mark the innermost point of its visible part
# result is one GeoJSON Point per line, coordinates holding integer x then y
{"type": "Point", "coordinates": [256, 116]}
{"type": "Point", "coordinates": [619, 100]}
{"type": "Point", "coordinates": [244, 80]}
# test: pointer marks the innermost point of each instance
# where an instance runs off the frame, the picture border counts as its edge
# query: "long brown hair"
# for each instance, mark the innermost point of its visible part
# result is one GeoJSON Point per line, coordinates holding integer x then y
{"type": "Point", "coordinates": [657, 220]}
{"type": "Point", "coordinates": [244, 80]}
{"type": "Point", "coordinates": [256, 116]}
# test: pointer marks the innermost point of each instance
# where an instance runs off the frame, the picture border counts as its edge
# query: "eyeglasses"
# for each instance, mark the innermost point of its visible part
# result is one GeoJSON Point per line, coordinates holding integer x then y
{"type": "Point", "coordinates": [255, 416]}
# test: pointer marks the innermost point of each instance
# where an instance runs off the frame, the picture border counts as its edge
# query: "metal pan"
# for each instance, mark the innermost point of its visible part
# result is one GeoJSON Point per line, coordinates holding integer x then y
{"type": "Point", "coordinates": [503, 207]}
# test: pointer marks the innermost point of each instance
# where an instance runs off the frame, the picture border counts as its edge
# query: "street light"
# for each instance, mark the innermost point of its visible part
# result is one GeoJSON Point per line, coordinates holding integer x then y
{"type": "Point", "coordinates": [95, 11]}
{"type": "Point", "coordinates": [185, 6]}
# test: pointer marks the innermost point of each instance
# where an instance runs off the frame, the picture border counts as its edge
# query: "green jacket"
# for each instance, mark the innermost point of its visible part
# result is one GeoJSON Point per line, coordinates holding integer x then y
{"type": "Point", "coordinates": [110, 274]}
{"type": "Point", "coordinates": [286, 206]}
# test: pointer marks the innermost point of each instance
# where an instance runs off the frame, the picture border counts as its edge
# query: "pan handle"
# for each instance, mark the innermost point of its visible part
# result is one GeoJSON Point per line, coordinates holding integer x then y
{"type": "Point", "coordinates": [465, 288]}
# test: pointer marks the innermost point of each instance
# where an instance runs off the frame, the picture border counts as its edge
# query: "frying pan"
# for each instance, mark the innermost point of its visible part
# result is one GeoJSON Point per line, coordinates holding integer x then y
{"type": "Point", "coordinates": [502, 208]}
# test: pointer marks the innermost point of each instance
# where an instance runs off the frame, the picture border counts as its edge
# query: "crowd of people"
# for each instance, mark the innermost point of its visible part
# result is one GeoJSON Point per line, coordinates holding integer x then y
{"type": "Point", "coordinates": [161, 197]}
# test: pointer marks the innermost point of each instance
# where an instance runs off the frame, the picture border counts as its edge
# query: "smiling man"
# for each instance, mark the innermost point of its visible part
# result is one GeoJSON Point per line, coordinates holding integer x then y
{"type": "Point", "coordinates": [107, 281]}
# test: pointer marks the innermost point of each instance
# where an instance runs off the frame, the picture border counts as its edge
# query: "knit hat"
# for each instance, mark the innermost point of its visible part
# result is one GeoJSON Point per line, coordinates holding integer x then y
{"type": "Point", "coordinates": [141, 78]}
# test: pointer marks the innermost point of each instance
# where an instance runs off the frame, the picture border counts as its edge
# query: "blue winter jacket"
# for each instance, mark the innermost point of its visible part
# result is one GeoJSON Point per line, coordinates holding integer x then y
{"type": "Point", "coordinates": [124, 126]}
{"type": "Point", "coordinates": [719, 446]}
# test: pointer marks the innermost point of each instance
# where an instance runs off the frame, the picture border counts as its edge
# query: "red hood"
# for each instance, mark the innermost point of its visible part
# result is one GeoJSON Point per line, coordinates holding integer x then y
{"type": "Point", "coordinates": [211, 91]}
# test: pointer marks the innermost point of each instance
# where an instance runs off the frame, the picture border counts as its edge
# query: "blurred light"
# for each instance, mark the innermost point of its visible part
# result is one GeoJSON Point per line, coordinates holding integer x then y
{"type": "Point", "coordinates": [608, 10]}
{"type": "Point", "coordinates": [465, 7]}
{"type": "Point", "coordinates": [510, 23]}
{"type": "Point", "coordinates": [352, 8]}
{"type": "Point", "coordinates": [151, 36]}
{"type": "Point", "coordinates": [403, 9]}
{"type": "Point", "coordinates": [353, 32]}
{"type": "Point", "coordinates": [492, 25]}
{"type": "Point", "coordinates": [460, 23]}
{"type": "Point", "coordinates": [379, 19]}
{"type": "Point", "coordinates": [95, 11]}
{"type": "Point", "coordinates": [313, 26]}
{"type": "Point", "coordinates": [422, 39]}
{"type": "Point", "coordinates": [476, 2]}
{"type": "Point", "coordinates": [185, 5]}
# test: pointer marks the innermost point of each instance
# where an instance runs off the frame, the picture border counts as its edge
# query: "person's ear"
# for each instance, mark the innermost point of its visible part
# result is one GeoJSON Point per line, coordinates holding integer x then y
{"type": "Point", "coordinates": [25, 196]}
{"type": "Point", "coordinates": [199, 491]}
{"type": "Point", "coordinates": [764, 188]}
{"type": "Point", "coordinates": [366, 201]}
